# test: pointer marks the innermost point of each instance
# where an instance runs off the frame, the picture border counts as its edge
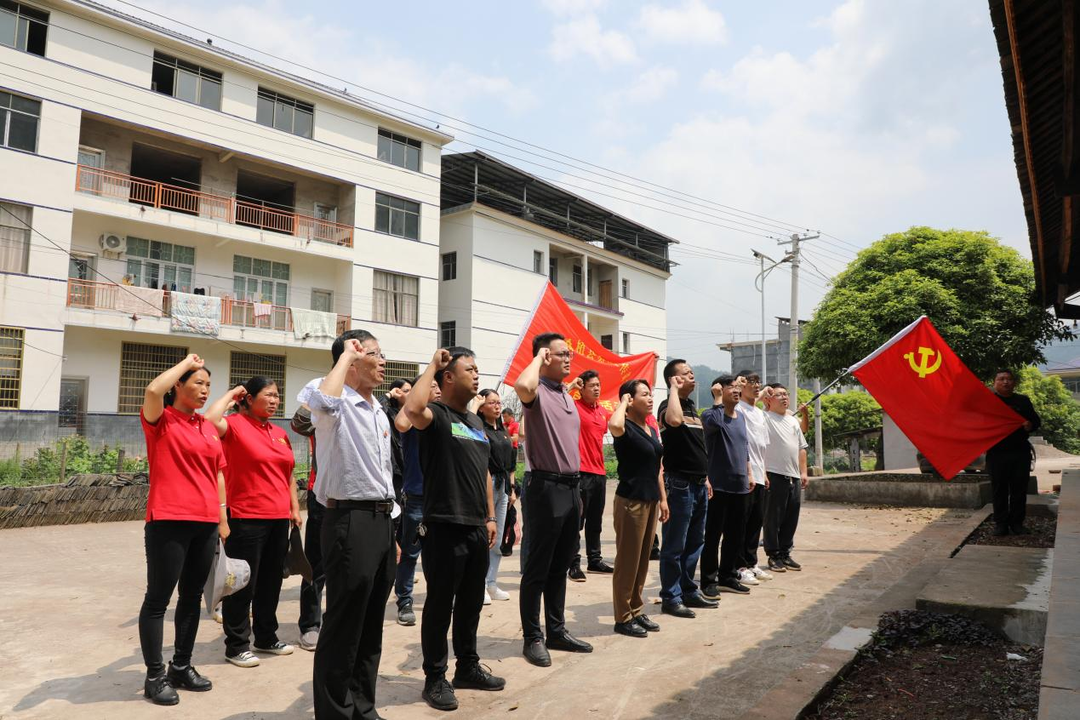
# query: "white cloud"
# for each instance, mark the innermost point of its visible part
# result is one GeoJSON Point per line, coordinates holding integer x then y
{"type": "Point", "coordinates": [647, 87]}
{"type": "Point", "coordinates": [693, 22]}
{"type": "Point", "coordinates": [584, 36]}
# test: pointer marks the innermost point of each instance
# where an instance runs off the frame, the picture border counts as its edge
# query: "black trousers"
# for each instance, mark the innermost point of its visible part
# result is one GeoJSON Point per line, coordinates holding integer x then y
{"type": "Point", "coordinates": [552, 518]}
{"type": "Point", "coordinates": [177, 552]}
{"type": "Point", "coordinates": [593, 489]}
{"type": "Point", "coordinates": [455, 563]}
{"type": "Point", "coordinates": [509, 530]}
{"type": "Point", "coordinates": [358, 557]}
{"type": "Point", "coordinates": [782, 504]}
{"type": "Point", "coordinates": [1009, 473]}
{"type": "Point", "coordinates": [755, 518]}
{"type": "Point", "coordinates": [263, 544]}
{"type": "Point", "coordinates": [725, 537]}
{"type": "Point", "coordinates": [311, 592]}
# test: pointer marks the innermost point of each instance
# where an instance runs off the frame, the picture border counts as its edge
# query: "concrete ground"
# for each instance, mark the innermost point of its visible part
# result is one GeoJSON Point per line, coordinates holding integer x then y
{"type": "Point", "coordinates": [70, 596]}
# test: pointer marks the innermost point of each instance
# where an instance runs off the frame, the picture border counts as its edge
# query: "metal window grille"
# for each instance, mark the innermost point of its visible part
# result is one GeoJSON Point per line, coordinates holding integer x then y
{"type": "Point", "coordinates": [397, 370]}
{"type": "Point", "coordinates": [11, 363]}
{"type": "Point", "coordinates": [139, 364]}
{"type": "Point", "coordinates": [244, 366]}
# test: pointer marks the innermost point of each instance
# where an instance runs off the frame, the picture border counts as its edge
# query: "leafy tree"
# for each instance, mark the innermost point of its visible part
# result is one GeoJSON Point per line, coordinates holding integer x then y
{"type": "Point", "coordinates": [842, 413]}
{"type": "Point", "coordinates": [977, 292]}
{"type": "Point", "coordinates": [1059, 412]}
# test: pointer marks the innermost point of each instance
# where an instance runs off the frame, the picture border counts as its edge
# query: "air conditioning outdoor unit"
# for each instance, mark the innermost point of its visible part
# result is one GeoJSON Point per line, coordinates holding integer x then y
{"type": "Point", "coordinates": [113, 243]}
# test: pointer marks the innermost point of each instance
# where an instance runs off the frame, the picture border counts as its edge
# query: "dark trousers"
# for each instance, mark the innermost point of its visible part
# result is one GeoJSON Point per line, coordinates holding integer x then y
{"type": "Point", "coordinates": [177, 552]}
{"type": "Point", "coordinates": [552, 518]}
{"type": "Point", "coordinates": [455, 563]}
{"type": "Point", "coordinates": [262, 544]}
{"type": "Point", "coordinates": [725, 533]}
{"type": "Point", "coordinates": [1009, 473]}
{"type": "Point", "coordinates": [510, 532]}
{"type": "Point", "coordinates": [358, 556]}
{"type": "Point", "coordinates": [411, 517]}
{"type": "Point", "coordinates": [755, 519]}
{"type": "Point", "coordinates": [311, 592]}
{"type": "Point", "coordinates": [782, 503]}
{"type": "Point", "coordinates": [684, 536]}
{"type": "Point", "coordinates": [593, 489]}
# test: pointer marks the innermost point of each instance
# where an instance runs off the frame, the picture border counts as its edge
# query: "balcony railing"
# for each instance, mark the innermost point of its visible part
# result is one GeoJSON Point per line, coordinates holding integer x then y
{"type": "Point", "coordinates": [106, 183]}
{"type": "Point", "coordinates": [236, 313]}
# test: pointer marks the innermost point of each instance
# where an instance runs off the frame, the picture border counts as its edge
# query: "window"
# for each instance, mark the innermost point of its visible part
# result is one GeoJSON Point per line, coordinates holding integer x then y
{"type": "Point", "coordinates": [397, 370]}
{"type": "Point", "coordinates": [19, 118]}
{"type": "Point", "coordinates": [626, 343]}
{"type": "Point", "coordinates": [553, 271]}
{"type": "Point", "coordinates": [15, 222]}
{"type": "Point", "coordinates": [625, 288]}
{"type": "Point", "coordinates": [166, 267]}
{"type": "Point", "coordinates": [399, 150]}
{"type": "Point", "coordinates": [396, 299]}
{"type": "Point", "coordinates": [449, 266]}
{"type": "Point", "coordinates": [397, 216]}
{"type": "Point", "coordinates": [577, 278]}
{"type": "Point", "coordinates": [244, 366]}
{"type": "Point", "coordinates": [322, 300]}
{"type": "Point", "coordinates": [261, 281]}
{"type": "Point", "coordinates": [139, 364]}
{"type": "Point", "coordinates": [606, 341]}
{"type": "Point", "coordinates": [186, 81]}
{"type": "Point", "coordinates": [11, 362]}
{"type": "Point", "coordinates": [538, 261]}
{"type": "Point", "coordinates": [285, 113]}
{"type": "Point", "coordinates": [448, 334]}
{"type": "Point", "coordinates": [72, 410]}
{"type": "Point", "coordinates": [23, 27]}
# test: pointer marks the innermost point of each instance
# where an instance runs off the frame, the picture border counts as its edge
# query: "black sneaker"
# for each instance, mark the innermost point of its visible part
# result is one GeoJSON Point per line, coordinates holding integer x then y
{"type": "Point", "coordinates": [630, 629]}
{"type": "Point", "coordinates": [776, 565]}
{"type": "Point", "coordinates": [711, 591]}
{"type": "Point", "coordinates": [644, 621]}
{"type": "Point", "coordinates": [439, 694]}
{"type": "Point", "coordinates": [477, 677]}
{"type": "Point", "coordinates": [732, 585]}
{"type": "Point", "coordinates": [601, 567]}
{"type": "Point", "coordinates": [159, 691]}
{"type": "Point", "coordinates": [406, 616]}
{"type": "Point", "coordinates": [187, 678]}
{"type": "Point", "coordinates": [575, 574]}
{"type": "Point", "coordinates": [790, 564]}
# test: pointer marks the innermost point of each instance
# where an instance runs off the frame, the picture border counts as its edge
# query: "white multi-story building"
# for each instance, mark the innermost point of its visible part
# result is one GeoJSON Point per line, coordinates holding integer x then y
{"type": "Point", "coordinates": [505, 233]}
{"type": "Point", "coordinates": [145, 174]}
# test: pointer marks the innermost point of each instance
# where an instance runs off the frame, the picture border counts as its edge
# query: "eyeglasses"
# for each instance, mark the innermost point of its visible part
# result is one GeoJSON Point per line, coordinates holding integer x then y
{"type": "Point", "coordinates": [375, 354]}
{"type": "Point", "coordinates": [567, 354]}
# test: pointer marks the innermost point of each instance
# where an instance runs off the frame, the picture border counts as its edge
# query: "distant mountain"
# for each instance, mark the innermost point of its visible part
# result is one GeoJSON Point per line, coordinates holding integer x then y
{"type": "Point", "coordinates": [704, 375]}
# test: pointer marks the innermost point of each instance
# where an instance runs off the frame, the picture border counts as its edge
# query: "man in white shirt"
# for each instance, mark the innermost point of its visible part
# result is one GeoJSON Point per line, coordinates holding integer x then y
{"type": "Point", "coordinates": [757, 433]}
{"type": "Point", "coordinates": [785, 466]}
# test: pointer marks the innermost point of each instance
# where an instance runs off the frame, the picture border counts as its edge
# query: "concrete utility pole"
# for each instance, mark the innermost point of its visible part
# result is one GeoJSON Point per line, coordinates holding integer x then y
{"type": "Point", "coordinates": [762, 257]}
{"type": "Point", "coordinates": [793, 380]}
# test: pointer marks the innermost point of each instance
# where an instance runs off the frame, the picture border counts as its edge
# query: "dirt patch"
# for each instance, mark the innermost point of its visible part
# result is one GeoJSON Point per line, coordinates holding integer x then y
{"type": "Point", "coordinates": [922, 666]}
{"type": "Point", "coordinates": [1041, 534]}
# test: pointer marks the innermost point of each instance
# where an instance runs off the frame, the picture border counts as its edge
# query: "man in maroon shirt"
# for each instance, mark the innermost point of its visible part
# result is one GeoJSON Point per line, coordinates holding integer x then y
{"type": "Point", "coordinates": [593, 484]}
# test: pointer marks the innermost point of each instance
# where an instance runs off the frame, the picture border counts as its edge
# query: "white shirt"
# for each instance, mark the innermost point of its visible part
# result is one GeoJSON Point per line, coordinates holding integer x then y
{"type": "Point", "coordinates": [786, 439]}
{"type": "Point", "coordinates": [757, 435]}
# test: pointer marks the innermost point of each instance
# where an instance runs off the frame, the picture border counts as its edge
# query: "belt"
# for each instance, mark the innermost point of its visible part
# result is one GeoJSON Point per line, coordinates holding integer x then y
{"type": "Point", "coordinates": [379, 506]}
{"type": "Point", "coordinates": [693, 480]}
{"type": "Point", "coordinates": [557, 478]}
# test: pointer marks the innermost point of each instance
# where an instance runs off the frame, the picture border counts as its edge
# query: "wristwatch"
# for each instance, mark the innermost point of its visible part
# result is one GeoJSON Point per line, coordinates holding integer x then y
{"type": "Point", "coordinates": [490, 519]}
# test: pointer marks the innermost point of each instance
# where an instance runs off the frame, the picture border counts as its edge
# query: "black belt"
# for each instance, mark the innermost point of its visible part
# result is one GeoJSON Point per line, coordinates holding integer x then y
{"type": "Point", "coordinates": [688, 478]}
{"type": "Point", "coordinates": [557, 478]}
{"type": "Point", "coordinates": [379, 506]}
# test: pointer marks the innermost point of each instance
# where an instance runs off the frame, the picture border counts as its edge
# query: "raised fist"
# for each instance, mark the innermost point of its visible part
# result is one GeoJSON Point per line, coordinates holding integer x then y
{"type": "Point", "coordinates": [194, 361]}
{"type": "Point", "coordinates": [677, 381]}
{"type": "Point", "coordinates": [441, 358]}
{"type": "Point", "coordinates": [544, 354]}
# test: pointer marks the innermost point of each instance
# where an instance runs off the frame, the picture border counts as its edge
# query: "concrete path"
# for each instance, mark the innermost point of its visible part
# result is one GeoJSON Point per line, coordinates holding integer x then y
{"type": "Point", "coordinates": [70, 596]}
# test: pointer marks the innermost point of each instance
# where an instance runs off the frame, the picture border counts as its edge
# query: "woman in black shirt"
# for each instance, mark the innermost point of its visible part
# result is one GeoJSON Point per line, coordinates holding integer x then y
{"type": "Point", "coordinates": [501, 464]}
{"type": "Point", "coordinates": [639, 498]}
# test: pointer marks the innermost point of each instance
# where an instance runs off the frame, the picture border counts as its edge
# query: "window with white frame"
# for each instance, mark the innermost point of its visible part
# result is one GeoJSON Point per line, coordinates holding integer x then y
{"type": "Point", "coordinates": [186, 81]}
{"type": "Point", "coordinates": [396, 298]}
{"type": "Point", "coordinates": [399, 150]}
{"type": "Point", "coordinates": [449, 266]}
{"type": "Point", "coordinates": [285, 113]}
{"type": "Point", "coordinates": [538, 261]}
{"type": "Point", "coordinates": [23, 27]}
{"type": "Point", "coordinates": [261, 281]}
{"type": "Point", "coordinates": [448, 334]}
{"type": "Point", "coordinates": [160, 265]}
{"type": "Point", "coordinates": [19, 120]}
{"type": "Point", "coordinates": [625, 287]}
{"type": "Point", "coordinates": [15, 224]}
{"type": "Point", "coordinates": [397, 216]}
{"type": "Point", "coordinates": [577, 278]}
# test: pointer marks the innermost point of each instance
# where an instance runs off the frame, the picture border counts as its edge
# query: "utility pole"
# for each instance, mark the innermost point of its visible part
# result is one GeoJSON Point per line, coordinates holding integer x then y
{"type": "Point", "coordinates": [819, 453]}
{"type": "Point", "coordinates": [762, 257]}
{"type": "Point", "coordinates": [796, 239]}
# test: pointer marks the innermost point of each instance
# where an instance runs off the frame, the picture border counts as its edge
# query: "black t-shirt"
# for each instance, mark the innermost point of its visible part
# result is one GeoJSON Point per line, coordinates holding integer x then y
{"type": "Point", "coordinates": [501, 463]}
{"type": "Point", "coordinates": [454, 452]}
{"type": "Point", "coordinates": [1017, 441]}
{"type": "Point", "coordinates": [684, 446]}
{"type": "Point", "coordinates": [639, 454]}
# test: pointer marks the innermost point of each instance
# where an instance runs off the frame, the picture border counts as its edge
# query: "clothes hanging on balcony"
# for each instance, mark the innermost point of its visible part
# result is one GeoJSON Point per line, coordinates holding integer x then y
{"type": "Point", "coordinates": [146, 302]}
{"type": "Point", "coordinates": [313, 324]}
{"type": "Point", "coordinates": [198, 314]}
{"type": "Point", "coordinates": [263, 309]}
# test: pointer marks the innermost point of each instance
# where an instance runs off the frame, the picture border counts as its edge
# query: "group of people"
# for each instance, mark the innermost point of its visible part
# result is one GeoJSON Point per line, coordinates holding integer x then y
{"type": "Point", "coordinates": [428, 472]}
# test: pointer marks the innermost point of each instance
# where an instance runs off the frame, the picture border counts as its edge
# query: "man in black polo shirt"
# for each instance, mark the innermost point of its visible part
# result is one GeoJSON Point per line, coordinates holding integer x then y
{"type": "Point", "coordinates": [688, 491]}
{"type": "Point", "coordinates": [459, 523]}
{"type": "Point", "coordinates": [1009, 461]}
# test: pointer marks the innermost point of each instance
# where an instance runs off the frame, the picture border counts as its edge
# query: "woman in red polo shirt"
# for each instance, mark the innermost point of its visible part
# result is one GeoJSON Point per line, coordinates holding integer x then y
{"type": "Point", "coordinates": [185, 515]}
{"type": "Point", "coordinates": [262, 502]}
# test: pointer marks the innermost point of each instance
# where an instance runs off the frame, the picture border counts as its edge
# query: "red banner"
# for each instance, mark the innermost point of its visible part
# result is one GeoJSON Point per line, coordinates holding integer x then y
{"type": "Point", "coordinates": [552, 314]}
{"type": "Point", "coordinates": [946, 412]}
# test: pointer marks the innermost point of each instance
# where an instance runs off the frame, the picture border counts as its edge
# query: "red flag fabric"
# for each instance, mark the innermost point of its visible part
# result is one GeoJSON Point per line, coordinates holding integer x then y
{"type": "Point", "coordinates": [946, 412]}
{"type": "Point", "coordinates": [552, 314]}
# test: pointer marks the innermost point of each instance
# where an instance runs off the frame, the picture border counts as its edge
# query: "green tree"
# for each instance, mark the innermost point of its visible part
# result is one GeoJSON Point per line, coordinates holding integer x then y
{"type": "Point", "coordinates": [842, 413]}
{"type": "Point", "coordinates": [977, 292]}
{"type": "Point", "coordinates": [1059, 412]}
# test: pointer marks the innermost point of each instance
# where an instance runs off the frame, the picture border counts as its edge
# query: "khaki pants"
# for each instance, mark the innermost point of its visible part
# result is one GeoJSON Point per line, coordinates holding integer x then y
{"type": "Point", "coordinates": [635, 526]}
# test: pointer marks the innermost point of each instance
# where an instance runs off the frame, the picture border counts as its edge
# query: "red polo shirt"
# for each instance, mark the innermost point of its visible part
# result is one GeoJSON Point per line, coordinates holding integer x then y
{"type": "Point", "coordinates": [260, 468]}
{"type": "Point", "coordinates": [591, 440]}
{"type": "Point", "coordinates": [512, 430]}
{"type": "Point", "coordinates": [185, 455]}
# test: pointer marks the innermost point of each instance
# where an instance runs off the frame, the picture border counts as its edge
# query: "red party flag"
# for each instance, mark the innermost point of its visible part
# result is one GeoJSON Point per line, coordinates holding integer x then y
{"type": "Point", "coordinates": [552, 314]}
{"type": "Point", "coordinates": [946, 412]}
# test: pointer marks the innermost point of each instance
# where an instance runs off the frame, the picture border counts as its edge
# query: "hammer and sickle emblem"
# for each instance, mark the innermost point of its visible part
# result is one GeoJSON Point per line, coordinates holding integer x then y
{"type": "Point", "coordinates": [923, 367]}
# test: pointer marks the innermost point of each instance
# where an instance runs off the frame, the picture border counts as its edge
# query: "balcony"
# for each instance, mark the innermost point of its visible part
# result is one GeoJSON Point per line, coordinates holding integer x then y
{"type": "Point", "coordinates": [108, 184]}
{"type": "Point", "coordinates": [589, 307]}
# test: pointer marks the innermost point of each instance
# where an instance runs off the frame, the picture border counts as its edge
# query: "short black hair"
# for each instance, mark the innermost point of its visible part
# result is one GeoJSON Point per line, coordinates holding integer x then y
{"type": "Point", "coordinates": [587, 376]}
{"type": "Point", "coordinates": [630, 387]}
{"type": "Point", "coordinates": [748, 373]}
{"type": "Point", "coordinates": [724, 380]}
{"type": "Point", "coordinates": [338, 348]}
{"type": "Point", "coordinates": [777, 386]}
{"type": "Point", "coordinates": [669, 370]}
{"type": "Point", "coordinates": [400, 382]}
{"type": "Point", "coordinates": [508, 411]}
{"type": "Point", "coordinates": [1005, 370]}
{"type": "Point", "coordinates": [544, 340]}
{"type": "Point", "coordinates": [456, 353]}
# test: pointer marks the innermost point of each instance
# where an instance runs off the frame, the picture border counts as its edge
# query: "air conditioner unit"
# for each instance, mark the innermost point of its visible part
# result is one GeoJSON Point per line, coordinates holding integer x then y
{"type": "Point", "coordinates": [113, 243]}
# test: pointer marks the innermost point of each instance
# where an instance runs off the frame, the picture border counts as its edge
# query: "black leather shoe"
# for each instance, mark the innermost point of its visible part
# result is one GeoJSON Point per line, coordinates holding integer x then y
{"type": "Point", "coordinates": [697, 601]}
{"type": "Point", "coordinates": [644, 621]}
{"type": "Point", "coordinates": [575, 574]}
{"type": "Point", "coordinates": [1019, 530]}
{"type": "Point", "coordinates": [159, 691]}
{"type": "Point", "coordinates": [678, 610]}
{"type": "Point", "coordinates": [601, 567]}
{"type": "Point", "coordinates": [536, 653]}
{"type": "Point", "coordinates": [568, 643]}
{"type": "Point", "coordinates": [477, 677]}
{"type": "Point", "coordinates": [711, 591]}
{"type": "Point", "coordinates": [734, 586]}
{"type": "Point", "coordinates": [631, 629]}
{"type": "Point", "coordinates": [654, 554]}
{"type": "Point", "coordinates": [188, 679]}
{"type": "Point", "coordinates": [790, 564]}
{"type": "Point", "coordinates": [776, 565]}
{"type": "Point", "coordinates": [1000, 531]}
{"type": "Point", "coordinates": [439, 694]}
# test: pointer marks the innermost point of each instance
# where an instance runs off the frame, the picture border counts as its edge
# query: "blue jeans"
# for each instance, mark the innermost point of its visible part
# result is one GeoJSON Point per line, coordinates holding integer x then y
{"type": "Point", "coordinates": [684, 537]}
{"type": "Point", "coordinates": [411, 517]}
{"type": "Point", "coordinates": [495, 554]}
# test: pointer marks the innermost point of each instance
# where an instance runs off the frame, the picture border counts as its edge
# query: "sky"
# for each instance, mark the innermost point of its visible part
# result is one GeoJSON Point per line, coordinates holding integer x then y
{"type": "Point", "coordinates": [724, 125]}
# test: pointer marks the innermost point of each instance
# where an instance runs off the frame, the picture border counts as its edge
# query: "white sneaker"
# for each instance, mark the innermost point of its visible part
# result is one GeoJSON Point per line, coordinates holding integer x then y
{"type": "Point", "coordinates": [245, 659]}
{"type": "Point", "coordinates": [761, 574]}
{"type": "Point", "coordinates": [278, 648]}
{"type": "Point", "coordinates": [497, 593]}
{"type": "Point", "coordinates": [309, 640]}
{"type": "Point", "coordinates": [487, 598]}
{"type": "Point", "coordinates": [746, 577]}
